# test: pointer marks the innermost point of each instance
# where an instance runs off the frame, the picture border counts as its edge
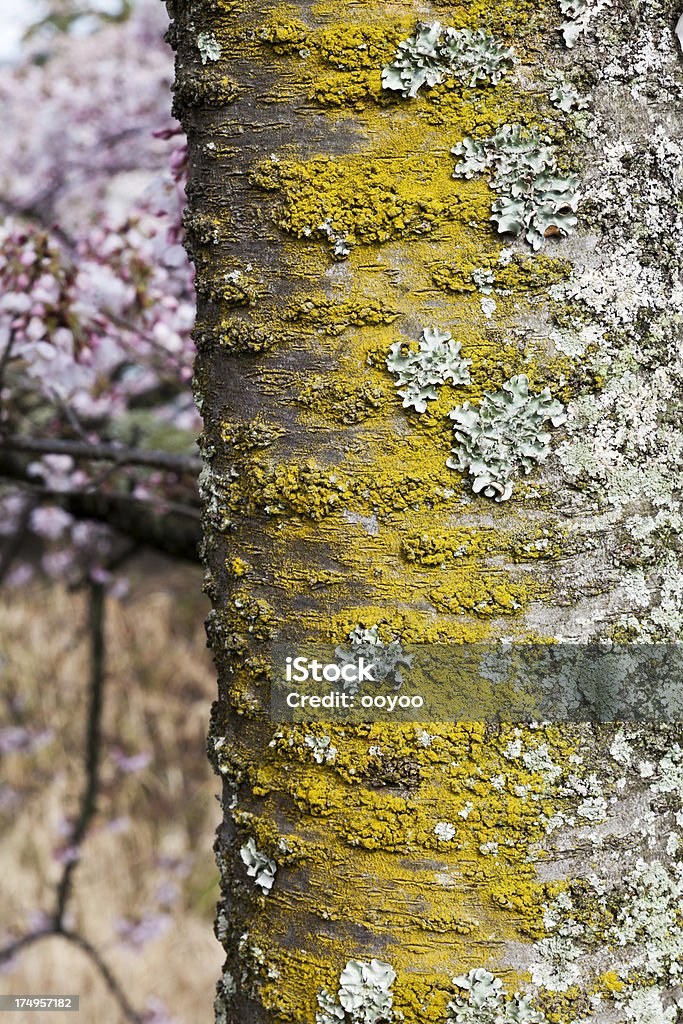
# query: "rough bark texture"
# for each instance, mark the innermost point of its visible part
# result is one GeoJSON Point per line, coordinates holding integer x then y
{"type": "Point", "coordinates": [326, 225]}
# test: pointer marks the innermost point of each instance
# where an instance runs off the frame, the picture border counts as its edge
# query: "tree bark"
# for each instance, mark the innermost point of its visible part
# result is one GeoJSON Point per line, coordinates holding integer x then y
{"type": "Point", "coordinates": [326, 225]}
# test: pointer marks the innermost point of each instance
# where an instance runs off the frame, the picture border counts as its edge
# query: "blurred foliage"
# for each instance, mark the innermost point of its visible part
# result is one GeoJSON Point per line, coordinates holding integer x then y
{"type": "Point", "coordinates": [70, 15]}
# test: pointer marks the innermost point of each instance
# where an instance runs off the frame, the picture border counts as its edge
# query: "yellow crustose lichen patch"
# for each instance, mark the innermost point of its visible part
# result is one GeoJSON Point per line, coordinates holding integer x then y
{"type": "Point", "coordinates": [361, 821]}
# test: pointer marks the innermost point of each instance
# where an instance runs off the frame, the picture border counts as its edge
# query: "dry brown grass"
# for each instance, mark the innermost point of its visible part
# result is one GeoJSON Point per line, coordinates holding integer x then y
{"type": "Point", "coordinates": [159, 687]}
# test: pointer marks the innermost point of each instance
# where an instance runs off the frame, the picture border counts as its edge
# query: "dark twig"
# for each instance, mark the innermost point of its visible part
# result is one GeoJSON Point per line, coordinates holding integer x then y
{"type": "Point", "coordinates": [171, 527]}
{"type": "Point", "coordinates": [109, 979]}
{"type": "Point", "coordinates": [9, 951]}
{"type": "Point", "coordinates": [13, 543]}
{"type": "Point", "coordinates": [93, 745]}
{"type": "Point", "coordinates": [104, 453]}
{"type": "Point", "coordinates": [88, 805]}
{"type": "Point", "coordinates": [5, 357]}
{"type": "Point", "coordinates": [82, 943]}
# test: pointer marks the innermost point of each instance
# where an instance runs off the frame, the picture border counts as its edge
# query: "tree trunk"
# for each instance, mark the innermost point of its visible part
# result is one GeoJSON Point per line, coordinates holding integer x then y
{"type": "Point", "coordinates": [329, 220]}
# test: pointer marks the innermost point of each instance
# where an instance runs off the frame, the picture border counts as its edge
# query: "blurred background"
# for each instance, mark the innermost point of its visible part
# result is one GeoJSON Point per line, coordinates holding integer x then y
{"type": "Point", "coordinates": [107, 802]}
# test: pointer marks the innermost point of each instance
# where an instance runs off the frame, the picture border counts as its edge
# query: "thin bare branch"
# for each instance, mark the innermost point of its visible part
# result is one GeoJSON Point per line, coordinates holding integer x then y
{"type": "Point", "coordinates": [102, 452]}
{"type": "Point", "coordinates": [13, 543]}
{"type": "Point", "coordinates": [93, 747]}
{"type": "Point", "coordinates": [11, 950]}
{"type": "Point", "coordinates": [88, 807]}
{"type": "Point", "coordinates": [109, 978]}
{"type": "Point", "coordinates": [169, 526]}
{"type": "Point", "coordinates": [103, 969]}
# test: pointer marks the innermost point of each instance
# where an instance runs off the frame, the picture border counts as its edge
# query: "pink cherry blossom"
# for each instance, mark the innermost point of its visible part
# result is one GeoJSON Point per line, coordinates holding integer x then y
{"type": "Point", "coordinates": [96, 299]}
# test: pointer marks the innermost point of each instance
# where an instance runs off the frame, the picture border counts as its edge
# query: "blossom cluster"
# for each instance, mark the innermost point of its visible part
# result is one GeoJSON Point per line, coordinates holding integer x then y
{"type": "Point", "coordinates": [96, 294]}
